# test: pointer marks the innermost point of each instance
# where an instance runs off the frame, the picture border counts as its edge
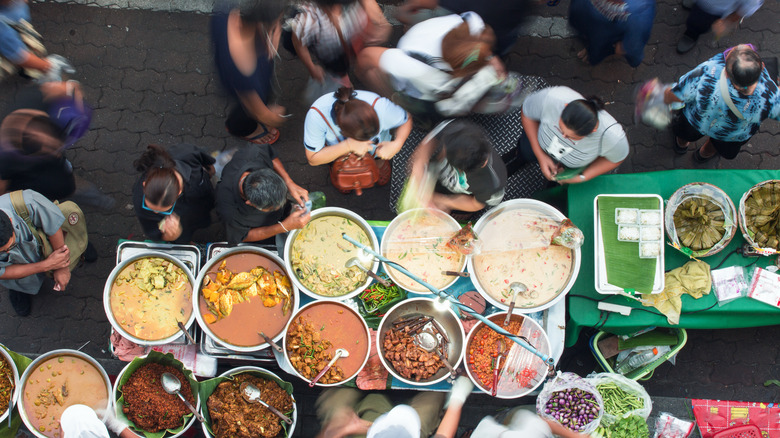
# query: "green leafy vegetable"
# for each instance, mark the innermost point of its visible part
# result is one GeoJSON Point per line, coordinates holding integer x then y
{"type": "Point", "coordinates": [632, 426]}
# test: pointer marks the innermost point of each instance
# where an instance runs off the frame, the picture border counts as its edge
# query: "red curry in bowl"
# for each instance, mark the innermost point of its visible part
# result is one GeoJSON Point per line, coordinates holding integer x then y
{"type": "Point", "coordinates": [317, 331]}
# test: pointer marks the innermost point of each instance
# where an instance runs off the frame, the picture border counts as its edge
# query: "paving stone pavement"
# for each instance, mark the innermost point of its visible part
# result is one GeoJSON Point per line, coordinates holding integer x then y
{"type": "Point", "coordinates": [150, 79]}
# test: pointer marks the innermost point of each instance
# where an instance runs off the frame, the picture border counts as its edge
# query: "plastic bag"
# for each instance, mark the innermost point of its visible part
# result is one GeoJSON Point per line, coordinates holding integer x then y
{"type": "Point", "coordinates": [700, 196]}
{"type": "Point", "coordinates": [568, 235]}
{"type": "Point", "coordinates": [729, 283]}
{"type": "Point", "coordinates": [650, 106]}
{"type": "Point", "coordinates": [563, 382]}
{"type": "Point", "coordinates": [626, 385]}
{"type": "Point", "coordinates": [668, 426]}
{"type": "Point", "coordinates": [465, 241]}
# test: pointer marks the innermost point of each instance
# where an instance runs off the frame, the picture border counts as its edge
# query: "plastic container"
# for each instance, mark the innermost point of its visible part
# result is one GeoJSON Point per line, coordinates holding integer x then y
{"type": "Point", "coordinates": [628, 233]}
{"type": "Point", "coordinates": [626, 216]}
{"type": "Point", "coordinates": [650, 217]}
{"type": "Point", "coordinates": [744, 431]}
{"type": "Point", "coordinates": [649, 250]}
{"type": "Point", "coordinates": [645, 372]}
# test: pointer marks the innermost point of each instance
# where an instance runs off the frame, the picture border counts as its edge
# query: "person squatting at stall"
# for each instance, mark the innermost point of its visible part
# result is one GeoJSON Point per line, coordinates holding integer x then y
{"type": "Point", "coordinates": [174, 196]}
{"type": "Point", "coordinates": [468, 171]}
{"type": "Point", "coordinates": [22, 265]}
{"type": "Point", "coordinates": [726, 98]}
{"type": "Point", "coordinates": [252, 195]}
{"type": "Point", "coordinates": [359, 122]}
{"type": "Point", "coordinates": [573, 139]}
{"type": "Point", "coordinates": [80, 421]}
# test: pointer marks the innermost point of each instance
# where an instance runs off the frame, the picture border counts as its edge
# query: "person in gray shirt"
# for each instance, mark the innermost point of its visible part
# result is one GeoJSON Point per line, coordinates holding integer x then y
{"type": "Point", "coordinates": [22, 265]}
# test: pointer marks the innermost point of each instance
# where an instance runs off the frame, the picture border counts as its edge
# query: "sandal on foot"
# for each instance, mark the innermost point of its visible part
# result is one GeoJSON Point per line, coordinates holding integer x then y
{"type": "Point", "coordinates": [701, 158]}
{"type": "Point", "coordinates": [678, 149]}
{"type": "Point", "coordinates": [265, 137]}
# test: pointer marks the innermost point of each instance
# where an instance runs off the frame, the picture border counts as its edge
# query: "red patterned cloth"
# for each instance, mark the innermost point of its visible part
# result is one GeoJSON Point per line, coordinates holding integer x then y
{"type": "Point", "coordinates": [713, 416]}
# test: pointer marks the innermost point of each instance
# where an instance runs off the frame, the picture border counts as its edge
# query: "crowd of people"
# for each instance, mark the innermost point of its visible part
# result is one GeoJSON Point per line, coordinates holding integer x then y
{"type": "Point", "coordinates": [447, 65]}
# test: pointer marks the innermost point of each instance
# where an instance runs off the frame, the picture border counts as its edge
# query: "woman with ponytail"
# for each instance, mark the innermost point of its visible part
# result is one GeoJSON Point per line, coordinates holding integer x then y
{"type": "Point", "coordinates": [174, 195]}
{"type": "Point", "coordinates": [572, 138]}
{"type": "Point", "coordinates": [358, 122]}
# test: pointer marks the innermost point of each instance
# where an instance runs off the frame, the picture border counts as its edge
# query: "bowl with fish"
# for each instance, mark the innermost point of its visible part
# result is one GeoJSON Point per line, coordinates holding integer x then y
{"type": "Point", "coordinates": [323, 264]}
{"type": "Point", "coordinates": [241, 293]}
{"type": "Point", "coordinates": [55, 381]}
{"type": "Point", "coordinates": [146, 297]}
{"type": "Point", "coordinates": [142, 403]}
{"type": "Point", "coordinates": [9, 384]}
{"type": "Point", "coordinates": [230, 414]}
{"type": "Point", "coordinates": [416, 337]}
{"type": "Point", "coordinates": [517, 250]}
{"type": "Point", "coordinates": [315, 334]}
{"type": "Point", "coordinates": [418, 239]}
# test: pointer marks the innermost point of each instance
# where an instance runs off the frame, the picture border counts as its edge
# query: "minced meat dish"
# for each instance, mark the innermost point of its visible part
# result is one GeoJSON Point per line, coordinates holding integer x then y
{"type": "Point", "coordinates": [147, 404]}
{"type": "Point", "coordinates": [232, 416]}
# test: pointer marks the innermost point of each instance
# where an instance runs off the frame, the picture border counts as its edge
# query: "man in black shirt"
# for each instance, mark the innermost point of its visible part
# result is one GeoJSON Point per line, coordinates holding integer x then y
{"type": "Point", "coordinates": [252, 193]}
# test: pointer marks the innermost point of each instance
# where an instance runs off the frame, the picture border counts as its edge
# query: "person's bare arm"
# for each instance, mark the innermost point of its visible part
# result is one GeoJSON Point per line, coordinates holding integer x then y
{"type": "Point", "coordinates": [387, 149]}
{"type": "Point", "coordinates": [271, 116]}
{"type": "Point", "coordinates": [546, 163]}
{"type": "Point", "coordinates": [448, 426]}
{"type": "Point", "coordinates": [57, 260]}
{"type": "Point", "coordinates": [406, 11]}
{"type": "Point", "coordinates": [599, 166]}
{"type": "Point", "coordinates": [670, 97]}
{"type": "Point", "coordinates": [328, 154]}
{"type": "Point", "coordinates": [317, 72]}
{"type": "Point", "coordinates": [34, 62]}
{"type": "Point", "coordinates": [298, 193]}
{"type": "Point", "coordinates": [420, 158]}
{"type": "Point", "coordinates": [563, 432]}
{"type": "Point", "coordinates": [448, 203]}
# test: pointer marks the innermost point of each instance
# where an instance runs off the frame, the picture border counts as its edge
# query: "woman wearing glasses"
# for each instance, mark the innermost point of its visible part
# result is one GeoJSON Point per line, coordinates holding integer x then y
{"type": "Point", "coordinates": [573, 138]}
{"type": "Point", "coordinates": [174, 196]}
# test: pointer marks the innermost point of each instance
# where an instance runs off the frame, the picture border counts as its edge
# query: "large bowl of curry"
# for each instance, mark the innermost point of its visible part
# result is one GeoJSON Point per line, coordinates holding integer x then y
{"type": "Point", "coordinates": [147, 295]}
{"type": "Point", "coordinates": [417, 239]}
{"type": "Point", "coordinates": [9, 389]}
{"type": "Point", "coordinates": [314, 334]}
{"type": "Point", "coordinates": [242, 292]}
{"type": "Point", "coordinates": [516, 248]}
{"type": "Point", "coordinates": [57, 380]}
{"type": "Point", "coordinates": [318, 256]}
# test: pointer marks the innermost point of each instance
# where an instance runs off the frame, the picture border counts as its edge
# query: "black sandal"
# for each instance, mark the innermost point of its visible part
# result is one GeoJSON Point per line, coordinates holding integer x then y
{"type": "Point", "coordinates": [700, 158]}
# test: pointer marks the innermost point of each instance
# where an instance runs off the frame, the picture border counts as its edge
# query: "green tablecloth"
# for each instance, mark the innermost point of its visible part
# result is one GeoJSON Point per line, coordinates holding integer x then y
{"type": "Point", "coordinates": [742, 312]}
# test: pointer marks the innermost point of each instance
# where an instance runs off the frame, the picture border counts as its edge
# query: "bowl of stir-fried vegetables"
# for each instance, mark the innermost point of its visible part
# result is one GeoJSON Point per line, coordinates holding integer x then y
{"type": "Point", "coordinates": [318, 257]}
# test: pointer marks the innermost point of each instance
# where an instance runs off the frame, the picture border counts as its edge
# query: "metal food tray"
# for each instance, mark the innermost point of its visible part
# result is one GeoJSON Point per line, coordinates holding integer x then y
{"type": "Point", "coordinates": [187, 254]}
{"type": "Point", "coordinates": [602, 286]}
{"type": "Point", "coordinates": [208, 345]}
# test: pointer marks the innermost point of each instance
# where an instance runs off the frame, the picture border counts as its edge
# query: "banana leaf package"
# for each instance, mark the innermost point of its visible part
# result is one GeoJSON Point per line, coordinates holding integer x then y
{"type": "Point", "coordinates": [759, 213]}
{"type": "Point", "coordinates": [700, 219]}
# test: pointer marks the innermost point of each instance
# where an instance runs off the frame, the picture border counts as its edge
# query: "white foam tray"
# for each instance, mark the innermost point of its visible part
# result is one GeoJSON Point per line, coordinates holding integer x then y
{"type": "Point", "coordinates": [602, 286]}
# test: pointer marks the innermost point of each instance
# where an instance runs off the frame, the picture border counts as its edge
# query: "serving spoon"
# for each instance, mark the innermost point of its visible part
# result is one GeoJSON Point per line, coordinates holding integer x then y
{"type": "Point", "coordinates": [516, 288]}
{"type": "Point", "coordinates": [172, 385]}
{"type": "Point", "coordinates": [271, 342]}
{"type": "Point", "coordinates": [10, 402]}
{"type": "Point", "coordinates": [341, 352]}
{"type": "Point", "coordinates": [354, 261]}
{"type": "Point", "coordinates": [430, 343]}
{"type": "Point", "coordinates": [252, 394]}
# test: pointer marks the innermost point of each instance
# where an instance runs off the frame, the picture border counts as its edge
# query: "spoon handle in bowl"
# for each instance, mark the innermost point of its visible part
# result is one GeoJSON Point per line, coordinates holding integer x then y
{"type": "Point", "coordinates": [192, 408]}
{"type": "Point", "coordinates": [277, 412]}
{"type": "Point", "coordinates": [378, 279]}
{"type": "Point", "coordinates": [324, 370]}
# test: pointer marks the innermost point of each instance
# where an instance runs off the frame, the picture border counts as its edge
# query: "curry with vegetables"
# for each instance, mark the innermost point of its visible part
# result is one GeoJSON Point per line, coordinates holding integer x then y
{"type": "Point", "coordinates": [6, 384]}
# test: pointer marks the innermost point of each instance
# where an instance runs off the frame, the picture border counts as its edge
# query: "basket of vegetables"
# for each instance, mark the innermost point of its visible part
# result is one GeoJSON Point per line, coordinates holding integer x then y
{"type": "Point", "coordinates": [759, 216]}
{"type": "Point", "coordinates": [571, 401]}
{"type": "Point", "coordinates": [700, 219]}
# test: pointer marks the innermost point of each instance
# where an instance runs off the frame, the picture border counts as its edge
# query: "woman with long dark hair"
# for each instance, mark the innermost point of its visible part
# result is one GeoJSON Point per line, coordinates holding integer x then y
{"type": "Point", "coordinates": [174, 196]}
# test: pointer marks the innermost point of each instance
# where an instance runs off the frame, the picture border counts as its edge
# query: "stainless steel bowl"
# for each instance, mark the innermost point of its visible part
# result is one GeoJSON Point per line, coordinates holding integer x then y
{"type": "Point", "coordinates": [17, 391]}
{"type": "Point", "coordinates": [396, 275]}
{"type": "Point", "coordinates": [107, 297]}
{"type": "Point", "coordinates": [341, 212]}
{"type": "Point", "coordinates": [347, 309]}
{"type": "Point", "coordinates": [519, 358]}
{"type": "Point", "coordinates": [43, 358]}
{"type": "Point", "coordinates": [485, 222]}
{"type": "Point", "coordinates": [118, 408]}
{"type": "Point", "coordinates": [447, 319]}
{"type": "Point", "coordinates": [257, 371]}
{"type": "Point", "coordinates": [214, 262]}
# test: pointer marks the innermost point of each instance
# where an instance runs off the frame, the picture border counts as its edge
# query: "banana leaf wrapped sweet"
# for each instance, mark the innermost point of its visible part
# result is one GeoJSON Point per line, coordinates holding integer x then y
{"type": "Point", "coordinates": [759, 211]}
{"type": "Point", "coordinates": [700, 219]}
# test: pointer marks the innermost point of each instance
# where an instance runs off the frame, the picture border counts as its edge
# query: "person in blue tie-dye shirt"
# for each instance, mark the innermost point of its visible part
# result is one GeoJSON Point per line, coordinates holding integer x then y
{"type": "Point", "coordinates": [753, 94]}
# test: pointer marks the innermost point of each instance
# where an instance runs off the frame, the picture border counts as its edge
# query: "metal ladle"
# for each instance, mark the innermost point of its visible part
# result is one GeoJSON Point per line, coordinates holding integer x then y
{"type": "Point", "coordinates": [172, 385]}
{"type": "Point", "coordinates": [516, 288]}
{"type": "Point", "coordinates": [430, 343]}
{"type": "Point", "coordinates": [341, 352]}
{"type": "Point", "coordinates": [252, 394]}
{"type": "Point", "coordinates": [11, 401]}
{"type": "Point", "coordinates": [354, 261]}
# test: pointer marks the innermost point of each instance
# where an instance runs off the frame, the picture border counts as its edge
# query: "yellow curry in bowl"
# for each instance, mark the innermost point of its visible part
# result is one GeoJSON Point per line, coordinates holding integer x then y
{"type": "Point", "coordinates": [149, 297]}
